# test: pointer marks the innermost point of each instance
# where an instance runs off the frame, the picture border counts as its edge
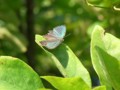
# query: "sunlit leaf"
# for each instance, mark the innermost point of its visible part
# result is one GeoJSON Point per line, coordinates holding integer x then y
{"type": "Point", "coordinates": [66, 61]}
{"type": "Point", "coordinates": [96, 40]}
{"type": "Point", "coordinates": [91, 27]}
{"type": "Point", "coordinates": [111, 66]}
{"type": "Point", "coordinates": [110, 45]}
{"type": "Point", "coordinates": [100, 88]}
{"type": "Point", "coordinates": [74, 83]}
{"type": "Point", "coordinates": [44, 89]}
{"type": "Point", "coordinates": [16, 75]}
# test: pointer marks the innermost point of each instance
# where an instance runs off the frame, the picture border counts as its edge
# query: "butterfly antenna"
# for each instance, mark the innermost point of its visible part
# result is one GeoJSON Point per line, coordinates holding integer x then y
{"type": "Point", "coordinates": [67, 35]}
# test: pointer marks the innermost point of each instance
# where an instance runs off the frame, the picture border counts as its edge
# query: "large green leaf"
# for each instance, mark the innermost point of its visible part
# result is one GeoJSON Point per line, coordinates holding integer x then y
{"type": "Point", "coordinates": [100, 88]}
{"type": "Point", "coordinates": [66, 61]}
{"type": "Point", "coordinates": [96, 40]}
{"type": "Point", "coordinates": [104, 3]}
{"type": "Point", "coordinates": [111, 66]}
{"type": "Point", "coordinates": [110, 45]}
{"type": "Point", "coordinates": [44, 89]}
{"type": "Point", "coordinates": [74, 83]}
{"type": "Point", "coordinates": [16, 75]}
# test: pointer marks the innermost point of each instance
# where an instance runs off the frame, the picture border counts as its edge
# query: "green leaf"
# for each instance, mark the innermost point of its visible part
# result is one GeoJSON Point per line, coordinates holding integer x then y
{"type": "Point", "coordinates": [111, 66]}
{"type": "Point", "coordinates": [96, 40]}
{"type": "Point", "coordinates": [103, 3]}
{"type": "Point", "coordinates": [75, 83]}
{"type": "Point", "coordinates": [100, 88]}
{"type": "Point", "coordinates": [44, 89]}
{"type": "Point", "coordinates": [91, 27]}
{"type": "Point", "coordinates": [16, 75]}
{"type": "Point", "coordinates": [66, 61]}
{"type": "Point", "coordinates": [110, 46]}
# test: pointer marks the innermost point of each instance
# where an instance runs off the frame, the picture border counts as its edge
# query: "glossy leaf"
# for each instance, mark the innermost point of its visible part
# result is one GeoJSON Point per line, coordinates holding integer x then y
{"type": "Point", "coordinates": [66, 61]}
{"type": "Point", "coordinates": [96, 40]}
{"type": "Point", "coordinates": [110, 46]}
{"type": "Point", "coordinates": [16, 75]}
{"type": "Point", "coordinates": [111, 66]}
{"type": "Point", "coordinates": [75, 83]}
{"type": "Point", "coordinates": [44, 89]}
{"type": "Point", "coordinates": [100, 88]}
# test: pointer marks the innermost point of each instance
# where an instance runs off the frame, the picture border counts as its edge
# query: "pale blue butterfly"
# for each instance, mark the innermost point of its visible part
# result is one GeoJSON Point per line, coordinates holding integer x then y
{"type": "Point", "coordinates": [54, 37]}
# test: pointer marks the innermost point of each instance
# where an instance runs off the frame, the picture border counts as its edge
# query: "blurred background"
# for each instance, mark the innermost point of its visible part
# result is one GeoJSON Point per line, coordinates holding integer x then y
{"type": "Point", "coordinates": [20, 20]}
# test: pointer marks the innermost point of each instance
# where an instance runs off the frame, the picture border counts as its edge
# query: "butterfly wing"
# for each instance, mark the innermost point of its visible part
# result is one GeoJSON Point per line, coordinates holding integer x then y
{"type": "Point", "coordinates": [59, 31]}
{"type": "Point", "coordinates": [50, 44]}
{"type": "Point", "coordinates": [54, 38]}
{"type": "Point", "coordinates": [49, 37]}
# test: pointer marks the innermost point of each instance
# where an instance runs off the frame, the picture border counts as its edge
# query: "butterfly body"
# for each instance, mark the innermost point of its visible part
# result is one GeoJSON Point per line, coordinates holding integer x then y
{"type": "Point", "coordinates": [54, 37]}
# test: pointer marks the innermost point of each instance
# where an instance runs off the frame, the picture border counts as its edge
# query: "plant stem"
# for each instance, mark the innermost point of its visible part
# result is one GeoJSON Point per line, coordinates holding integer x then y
{"type": "Point", "coordinates": [30, 33]}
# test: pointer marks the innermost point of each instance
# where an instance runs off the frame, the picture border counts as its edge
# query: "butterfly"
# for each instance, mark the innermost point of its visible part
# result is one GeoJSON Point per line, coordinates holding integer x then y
{"type": "Point", "coordinates": [54, 37]}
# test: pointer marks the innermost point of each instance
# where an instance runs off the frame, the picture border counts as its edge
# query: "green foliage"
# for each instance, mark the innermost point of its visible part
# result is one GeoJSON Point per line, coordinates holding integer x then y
{"type": "Point", "coordinates": [66, 61]}
{"type": "Point", "coordinates": [16, 75]}
{"type": "Point", "coordinates": [96, 39]}
{"type": "Point", "coordinates": [105, 57]}
{"type": "Point", "coordinates": [44, 89]}
{"type": "Point", "coordinates": [74, 83]}
{"type": "Point", "coordinates": [104, 49]}
{"type": "Point", "coordinates": [80, 20]}
{"type": "Point", "coordinates": [100, 88]}
{"type": "Point", "coordinates": [111, 68]}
